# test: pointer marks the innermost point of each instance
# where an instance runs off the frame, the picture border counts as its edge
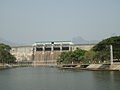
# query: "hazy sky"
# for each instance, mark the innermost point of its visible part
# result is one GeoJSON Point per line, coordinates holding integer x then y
{"type": "Point", "coordinates": [28, 21]}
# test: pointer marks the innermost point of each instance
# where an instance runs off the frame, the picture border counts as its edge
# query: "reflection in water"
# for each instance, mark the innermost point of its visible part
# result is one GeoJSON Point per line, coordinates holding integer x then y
{"type": "Point", "coordinates": [107, 80]}
{"type": "Point", "coordinates": [46, 78]}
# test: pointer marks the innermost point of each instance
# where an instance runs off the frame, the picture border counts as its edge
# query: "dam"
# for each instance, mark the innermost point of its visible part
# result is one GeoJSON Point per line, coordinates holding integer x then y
{"type": "Point", "coordinates": [46, 52]}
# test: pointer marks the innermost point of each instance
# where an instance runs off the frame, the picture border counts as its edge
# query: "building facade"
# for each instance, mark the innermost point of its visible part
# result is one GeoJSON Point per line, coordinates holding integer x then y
{"type": "Point", "coordinates": [45, 52]}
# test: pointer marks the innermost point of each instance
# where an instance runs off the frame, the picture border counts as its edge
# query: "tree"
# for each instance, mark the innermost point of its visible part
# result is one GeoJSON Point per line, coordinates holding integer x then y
{"type": "Point", "coordinates": [5, 56]}
{"type": "Point", "coordinates": [65, 57]}
{"type": "Point", "coordinates": [89, 56]}
{"type": "Point", "coordinates": [79, 54]}
{"type": "Point", "coordinates": [71, 56]}
{"type": "Point", "coordinates": [102, 49]}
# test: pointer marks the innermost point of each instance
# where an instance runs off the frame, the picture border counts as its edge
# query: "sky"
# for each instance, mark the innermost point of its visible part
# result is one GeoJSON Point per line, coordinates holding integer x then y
{"type": "Point", "coordinates": [29, 21]}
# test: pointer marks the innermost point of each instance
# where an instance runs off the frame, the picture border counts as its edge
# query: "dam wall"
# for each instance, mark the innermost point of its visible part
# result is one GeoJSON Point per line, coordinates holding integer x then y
{"type": "Point", "coordinates": [22, 53]}
{"type": "Point", "coordinates": [46, 57]}
{"type": "Point", "coordinates": [44, 54]}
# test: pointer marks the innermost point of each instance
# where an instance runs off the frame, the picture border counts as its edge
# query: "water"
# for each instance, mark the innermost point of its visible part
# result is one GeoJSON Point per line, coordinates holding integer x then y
{"type": "Point", "coordinates": [46, 78]}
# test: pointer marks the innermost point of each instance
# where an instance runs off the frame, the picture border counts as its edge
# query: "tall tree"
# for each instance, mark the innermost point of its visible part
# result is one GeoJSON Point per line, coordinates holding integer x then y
{"type": "Point", "coordinates": [5, 56]}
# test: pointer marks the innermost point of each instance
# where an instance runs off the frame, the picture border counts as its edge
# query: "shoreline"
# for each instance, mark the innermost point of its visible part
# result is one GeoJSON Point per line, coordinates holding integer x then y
{"type": "Point", "coordinates": [93, 67]}
{"type": "Point", "coordinates": [89, 67]}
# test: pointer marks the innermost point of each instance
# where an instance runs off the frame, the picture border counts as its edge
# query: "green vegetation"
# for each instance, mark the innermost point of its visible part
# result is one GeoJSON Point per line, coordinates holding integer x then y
{"type": "Point", "coordinates": [99, 53]}
{"type": "Point", "coordinates": [89, 56]}
{"type": "Point", "coordinates": [5, 56]}
{"type": "Point", "coordinates": [72, 56]}
{"type": "Point", "coordinates": [102, 49]}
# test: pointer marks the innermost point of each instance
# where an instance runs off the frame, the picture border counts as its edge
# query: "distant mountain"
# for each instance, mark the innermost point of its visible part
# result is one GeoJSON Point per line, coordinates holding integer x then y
{"type": "Point", "coordinates": [80, 40]}
{"type": "Point", "coordinates": [9, 42]}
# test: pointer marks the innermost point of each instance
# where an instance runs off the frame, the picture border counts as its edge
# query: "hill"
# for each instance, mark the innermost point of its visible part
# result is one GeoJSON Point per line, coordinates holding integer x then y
{"type": "Point", "coordinates": [80, 40]}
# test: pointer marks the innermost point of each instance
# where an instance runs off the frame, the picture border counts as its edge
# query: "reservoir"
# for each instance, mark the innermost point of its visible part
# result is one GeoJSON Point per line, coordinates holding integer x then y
{"type": "Point", "coordinates": [49, 78]}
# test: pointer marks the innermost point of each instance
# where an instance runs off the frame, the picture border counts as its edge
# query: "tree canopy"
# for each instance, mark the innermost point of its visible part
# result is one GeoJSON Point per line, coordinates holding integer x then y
{"type": "Point", "coordinates": [102, 49]}
{"type": "Point", "coordinates": [72, 56]}
{"type": "Point", "coordinates": [5, 55]}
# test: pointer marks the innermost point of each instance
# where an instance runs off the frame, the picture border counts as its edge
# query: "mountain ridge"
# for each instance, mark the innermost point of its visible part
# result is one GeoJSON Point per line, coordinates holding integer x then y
{"type": "Point", "coordinates": [80, 40]}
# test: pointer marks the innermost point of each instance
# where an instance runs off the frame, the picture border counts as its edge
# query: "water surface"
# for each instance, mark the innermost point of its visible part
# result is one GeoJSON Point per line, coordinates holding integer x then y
{"type": "Point", "coordinates": [47, 78]}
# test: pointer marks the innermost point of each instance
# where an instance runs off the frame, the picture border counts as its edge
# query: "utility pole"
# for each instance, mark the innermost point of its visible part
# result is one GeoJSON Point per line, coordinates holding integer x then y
{"type": "Point", "coordinates": [111, 54]}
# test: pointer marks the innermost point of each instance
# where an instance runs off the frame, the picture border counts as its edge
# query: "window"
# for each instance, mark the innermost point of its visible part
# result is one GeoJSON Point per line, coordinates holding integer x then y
{"type": "Point", "coordinates": [65, 48]}
{"type": "Point", "coordinates": [56, 48]}
{"type": "Point", "coordinates": [39, 49]}
{"type": "Point", "coordinates": [47, 48]}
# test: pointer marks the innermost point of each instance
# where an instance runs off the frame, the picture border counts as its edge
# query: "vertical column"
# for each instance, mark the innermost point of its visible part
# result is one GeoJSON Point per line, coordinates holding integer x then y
{"type": "Point", "coordinates": [43, 56]}
{"type": "Point", "coordinates": [43, 49]}
{"type": "Point", "coordinates": [111, 54]}
{"type": "Point", "coordinates": [52, 55]}
{"type": "Point", "coordinates": [33, 53]}
{"type": "Point", "coordinates": [34, 50]}
{"type": "Point", "coordinates": [60, 48]}
{"type": "Point", "coordinates": [52, 49]}
{"type": "Point", "coordinates": [69, 48]}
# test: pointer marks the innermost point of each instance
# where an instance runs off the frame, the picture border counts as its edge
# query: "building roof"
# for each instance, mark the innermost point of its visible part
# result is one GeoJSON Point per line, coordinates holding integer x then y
{"type": "Point", "coordinates": [52, 42]}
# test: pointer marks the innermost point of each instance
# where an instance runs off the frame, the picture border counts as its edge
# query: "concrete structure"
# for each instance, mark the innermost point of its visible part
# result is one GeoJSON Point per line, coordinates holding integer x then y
{"type": "Point", "coordinates": [23, 53]}
{"type": "Point", "coordinates": [45, 52]}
